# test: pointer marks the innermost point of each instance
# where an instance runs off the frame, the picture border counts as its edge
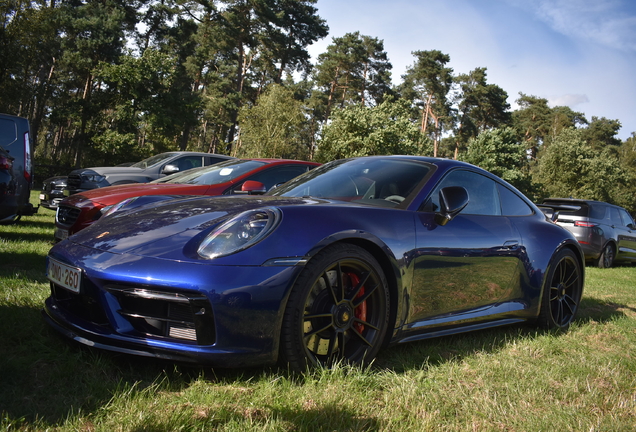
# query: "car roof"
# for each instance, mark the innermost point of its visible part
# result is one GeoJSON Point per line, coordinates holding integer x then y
{"type": "Point", "coordinates": [578, 200]}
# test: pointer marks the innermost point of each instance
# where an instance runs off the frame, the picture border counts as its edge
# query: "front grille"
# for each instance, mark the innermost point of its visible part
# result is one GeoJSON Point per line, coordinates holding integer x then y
{"type": "Point", "coordinates": [67, 215]}
{"type": "Point", "coordinates": [74, 182]}
{"type": "Point", "coordinates": [85, 305]}
{"type": "Point", "coordinates": [183, 316]}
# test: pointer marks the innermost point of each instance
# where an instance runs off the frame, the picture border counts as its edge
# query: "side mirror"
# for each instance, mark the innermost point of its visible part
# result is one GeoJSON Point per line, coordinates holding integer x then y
{"type": "Point", "coordinates": [452, 200]}
{"type": "Point", "coordinates": [170, 169]}
{"type": "Point", "coordinates": [253, 187]}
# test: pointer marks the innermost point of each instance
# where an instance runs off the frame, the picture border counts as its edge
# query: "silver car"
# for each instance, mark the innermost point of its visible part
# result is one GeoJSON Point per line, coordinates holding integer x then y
{"type": "Point", "coordinates": [606, 232]}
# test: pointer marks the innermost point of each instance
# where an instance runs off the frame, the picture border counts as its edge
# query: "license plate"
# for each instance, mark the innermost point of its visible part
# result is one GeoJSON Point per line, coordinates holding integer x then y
{"type": "Point", "coordinates": [64, 275]}
{"type": "Point", "coordinates": [42, 196]}
{"type": "Point", "coordinates": [61, 234]}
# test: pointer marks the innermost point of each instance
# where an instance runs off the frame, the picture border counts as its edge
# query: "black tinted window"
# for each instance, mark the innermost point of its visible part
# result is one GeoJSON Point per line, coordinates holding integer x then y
{"type": "Point", "coordinates": [188, 162]}
{"type": "Point", "coordinates": [277, 175]}
{"type": "Point", "coordinates": [598, 211]}
{"type": "Point", "coordinates": [8, 132]}
{"type": "Point", "coordinates": [512, 204]}
{"type": "Point", "coordinates": [582, 208]}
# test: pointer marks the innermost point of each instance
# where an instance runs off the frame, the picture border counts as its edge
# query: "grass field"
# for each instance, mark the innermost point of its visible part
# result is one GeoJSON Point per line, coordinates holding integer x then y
{"type": "Point", "coordinates": [507, 379]}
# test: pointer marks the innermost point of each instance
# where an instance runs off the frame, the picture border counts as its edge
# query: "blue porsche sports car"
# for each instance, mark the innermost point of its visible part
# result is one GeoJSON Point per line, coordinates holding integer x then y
{"type": "Point", "coordinates": [354, 255]}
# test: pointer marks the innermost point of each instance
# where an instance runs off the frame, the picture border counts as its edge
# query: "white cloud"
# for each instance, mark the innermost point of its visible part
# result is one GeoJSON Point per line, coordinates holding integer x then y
{"type": "Point", "coordinates": [569, 100]}
{"type": "Point", "coordinates": [610, 23]}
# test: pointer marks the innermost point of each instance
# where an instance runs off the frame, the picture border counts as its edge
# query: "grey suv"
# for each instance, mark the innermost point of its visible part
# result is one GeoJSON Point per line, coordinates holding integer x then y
{"type": "Point", "coordinates": [149, 169]}
{"type": "Point", "coordinates": [606, 232]}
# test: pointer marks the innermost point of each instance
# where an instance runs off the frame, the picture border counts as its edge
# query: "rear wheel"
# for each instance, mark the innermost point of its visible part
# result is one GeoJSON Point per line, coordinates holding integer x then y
{"type": "Point", "coordinates": [562, 291]}
{"type": "Point", "coordinates": [607, 257]}
{"type": "Point", "coordinates": [338, 310]}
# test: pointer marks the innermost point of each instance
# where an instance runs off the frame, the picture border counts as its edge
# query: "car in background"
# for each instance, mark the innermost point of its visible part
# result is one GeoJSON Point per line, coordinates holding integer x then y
{"type": "Point", "coordinates": [16, 141]}
{"type": "Point", "coordinates": [52, 192]}
{"type": "Point", "coordinates": [234, 176]}
{"type": "Point", "coordinates": [149, 169]}
{"type": "Point", "coordinates": [330, 267]}
{"type": "Point", "coordinates": [8, 201]}
{"type": "Point", "coordinates": [606, 232]}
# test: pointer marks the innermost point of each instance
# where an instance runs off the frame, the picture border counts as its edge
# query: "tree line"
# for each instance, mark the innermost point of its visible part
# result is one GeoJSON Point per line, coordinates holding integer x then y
{"type": "Point", "coordinates": [111, 81]}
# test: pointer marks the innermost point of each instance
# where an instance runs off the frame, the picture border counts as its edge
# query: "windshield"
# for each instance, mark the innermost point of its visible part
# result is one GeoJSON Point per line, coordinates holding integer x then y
{"type": "Point", "coordinates": [214, 174]}
{"type": "Point", "coordinates": [365, 179]}
{"type": "Point", "coordinates": [152, 160]}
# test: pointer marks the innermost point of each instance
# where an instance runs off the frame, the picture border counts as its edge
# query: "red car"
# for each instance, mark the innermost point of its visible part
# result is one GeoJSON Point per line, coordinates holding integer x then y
{"type": "Point", "coordinates": [225, 178]}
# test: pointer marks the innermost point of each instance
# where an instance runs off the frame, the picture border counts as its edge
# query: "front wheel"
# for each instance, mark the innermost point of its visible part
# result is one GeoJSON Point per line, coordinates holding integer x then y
{"type": "Point", "coordinates": [562, 291]}
{"type": "Point", "coordinates": [338, 310]}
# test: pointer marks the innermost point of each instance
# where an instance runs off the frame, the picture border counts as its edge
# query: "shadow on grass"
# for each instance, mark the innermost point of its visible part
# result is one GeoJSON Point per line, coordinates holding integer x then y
{"type": "Point", "coordinates": [31, 263]}
{"type": "Point", "coordinates": [435, 351]}
{"type": "Point", "coordinates": [46, 379]}
{"type": "Point", "coordinates": [20, 236]}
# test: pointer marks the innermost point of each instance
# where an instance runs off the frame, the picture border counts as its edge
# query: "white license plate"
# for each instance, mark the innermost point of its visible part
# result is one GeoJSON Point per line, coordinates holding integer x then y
{"type": "Point", "coordinates": [61, 234]}
{"type": "Point", "coordinates": [64, 275]}
{"type": "Point", "coordinates": [42, 197]}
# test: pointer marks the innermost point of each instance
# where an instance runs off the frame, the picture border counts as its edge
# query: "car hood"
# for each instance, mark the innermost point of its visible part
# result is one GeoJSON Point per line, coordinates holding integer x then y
{"type": "Point", "coordinates": [108, 170]}
{"type": "Point", "coordinates": [160, 228]}
{"type": "Point", "coordinates": [113, 194]}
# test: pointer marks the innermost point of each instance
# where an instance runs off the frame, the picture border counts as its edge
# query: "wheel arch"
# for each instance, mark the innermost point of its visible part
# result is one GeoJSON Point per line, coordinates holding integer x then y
{"type": "Point", "coordinates": [580, 258]}
{"type": "Point", "coordinates": [389, 267]}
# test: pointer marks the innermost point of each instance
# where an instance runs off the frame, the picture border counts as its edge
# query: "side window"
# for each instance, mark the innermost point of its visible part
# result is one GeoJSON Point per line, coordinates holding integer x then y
{"type": "Point", "coordinates": [627, 219]}
{"type": "Point", "coordinates": [188, 162]}
{"type": "Point", "coordinates": [483, 196]}
{"type": "Point", "coordinates": [211, 160]}
{"type": "Point", "coordinates": [8, 132]}
{"type": "Point", "coordinates": [598, 211]}
{"type": "Point", "coordinates": [615, 217]}
{"type": "Point", "coordinates": [512, 204]}
{"type": "Point", "coordinates": [273, 176]}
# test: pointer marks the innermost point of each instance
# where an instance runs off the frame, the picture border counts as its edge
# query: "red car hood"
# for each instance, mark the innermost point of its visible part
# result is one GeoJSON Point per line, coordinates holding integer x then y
{"type": "Point", "coordinates": [113, 194]}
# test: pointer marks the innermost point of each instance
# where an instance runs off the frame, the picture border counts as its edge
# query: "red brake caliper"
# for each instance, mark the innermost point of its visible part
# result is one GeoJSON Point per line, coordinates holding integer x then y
{"type": "Point", "coordinates": [361, 311]}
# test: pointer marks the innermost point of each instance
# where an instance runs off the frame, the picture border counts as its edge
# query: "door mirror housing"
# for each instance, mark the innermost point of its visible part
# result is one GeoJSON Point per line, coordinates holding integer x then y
{"type": "Point", "coordinates": [170, 169]}
{"type": "Point", "coordinates": [253, 187]}
{"type": "Point", "coordinates": [452, 200]}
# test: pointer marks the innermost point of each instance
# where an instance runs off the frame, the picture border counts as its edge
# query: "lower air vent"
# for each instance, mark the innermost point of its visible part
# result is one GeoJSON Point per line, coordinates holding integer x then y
{"type": "Point", "coordinates": [182, 316]}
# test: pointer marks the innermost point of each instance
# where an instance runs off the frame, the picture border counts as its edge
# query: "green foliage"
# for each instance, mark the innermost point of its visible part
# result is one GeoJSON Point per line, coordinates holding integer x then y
{"type": "Point", "coordinates": [500, 152]}
{"type": "Point", "coordinates": [427, 84]}
{"type": "Point", "coordinates": [382, 130]}
{"type": "Point", "coordinates": [354, 70]}
{"type": "Point", "coordinates": [274, 127]}
{"type": "Point", "coordinates": [480, 106]}
{"type": "Point", "coordinates": [570, 167]}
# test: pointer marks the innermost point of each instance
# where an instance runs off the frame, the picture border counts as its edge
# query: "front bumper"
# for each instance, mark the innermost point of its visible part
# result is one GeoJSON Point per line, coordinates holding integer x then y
{"type": "Point", "coordinates": [246, 306]}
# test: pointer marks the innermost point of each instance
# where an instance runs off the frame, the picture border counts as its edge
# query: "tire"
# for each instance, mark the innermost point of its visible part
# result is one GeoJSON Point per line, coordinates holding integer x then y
{"type": "Point", "coordinates": [562, 291]}
{"type": "Point", "coordinates": [607, 257]}
{"type": "Point", "coordinates": [338, 310]}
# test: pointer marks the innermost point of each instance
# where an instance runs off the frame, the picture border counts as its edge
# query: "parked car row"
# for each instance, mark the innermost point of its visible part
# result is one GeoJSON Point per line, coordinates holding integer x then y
{"type": "Point", "coordinates": [233, 176]}
{"type": "Point", "coordinates": [332, 266]}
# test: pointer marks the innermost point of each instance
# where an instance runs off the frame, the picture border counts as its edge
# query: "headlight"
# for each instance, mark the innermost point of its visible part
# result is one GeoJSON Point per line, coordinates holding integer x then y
{"type": "Point", "coordinates": [242, 231]}
{"type": "Point", "coordinates": [94, 178]}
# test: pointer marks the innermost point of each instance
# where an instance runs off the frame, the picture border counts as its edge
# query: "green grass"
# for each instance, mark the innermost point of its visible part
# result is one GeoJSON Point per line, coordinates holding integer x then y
{"type": "Point", "coordinates": [507, 379]}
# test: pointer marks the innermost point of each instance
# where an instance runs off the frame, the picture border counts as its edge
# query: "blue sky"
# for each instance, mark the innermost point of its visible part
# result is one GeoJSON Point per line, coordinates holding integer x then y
{"type": "Point", "coordinates": [578, 53]}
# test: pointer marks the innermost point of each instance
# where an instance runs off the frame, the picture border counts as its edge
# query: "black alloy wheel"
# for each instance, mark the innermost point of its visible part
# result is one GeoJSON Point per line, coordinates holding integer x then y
{"type": "Point", "coordinates": [338, 310]}
{"type": "Point", "coordinates": [607, 257]}
{"type": "Point", "coordinates": [562, 291]}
